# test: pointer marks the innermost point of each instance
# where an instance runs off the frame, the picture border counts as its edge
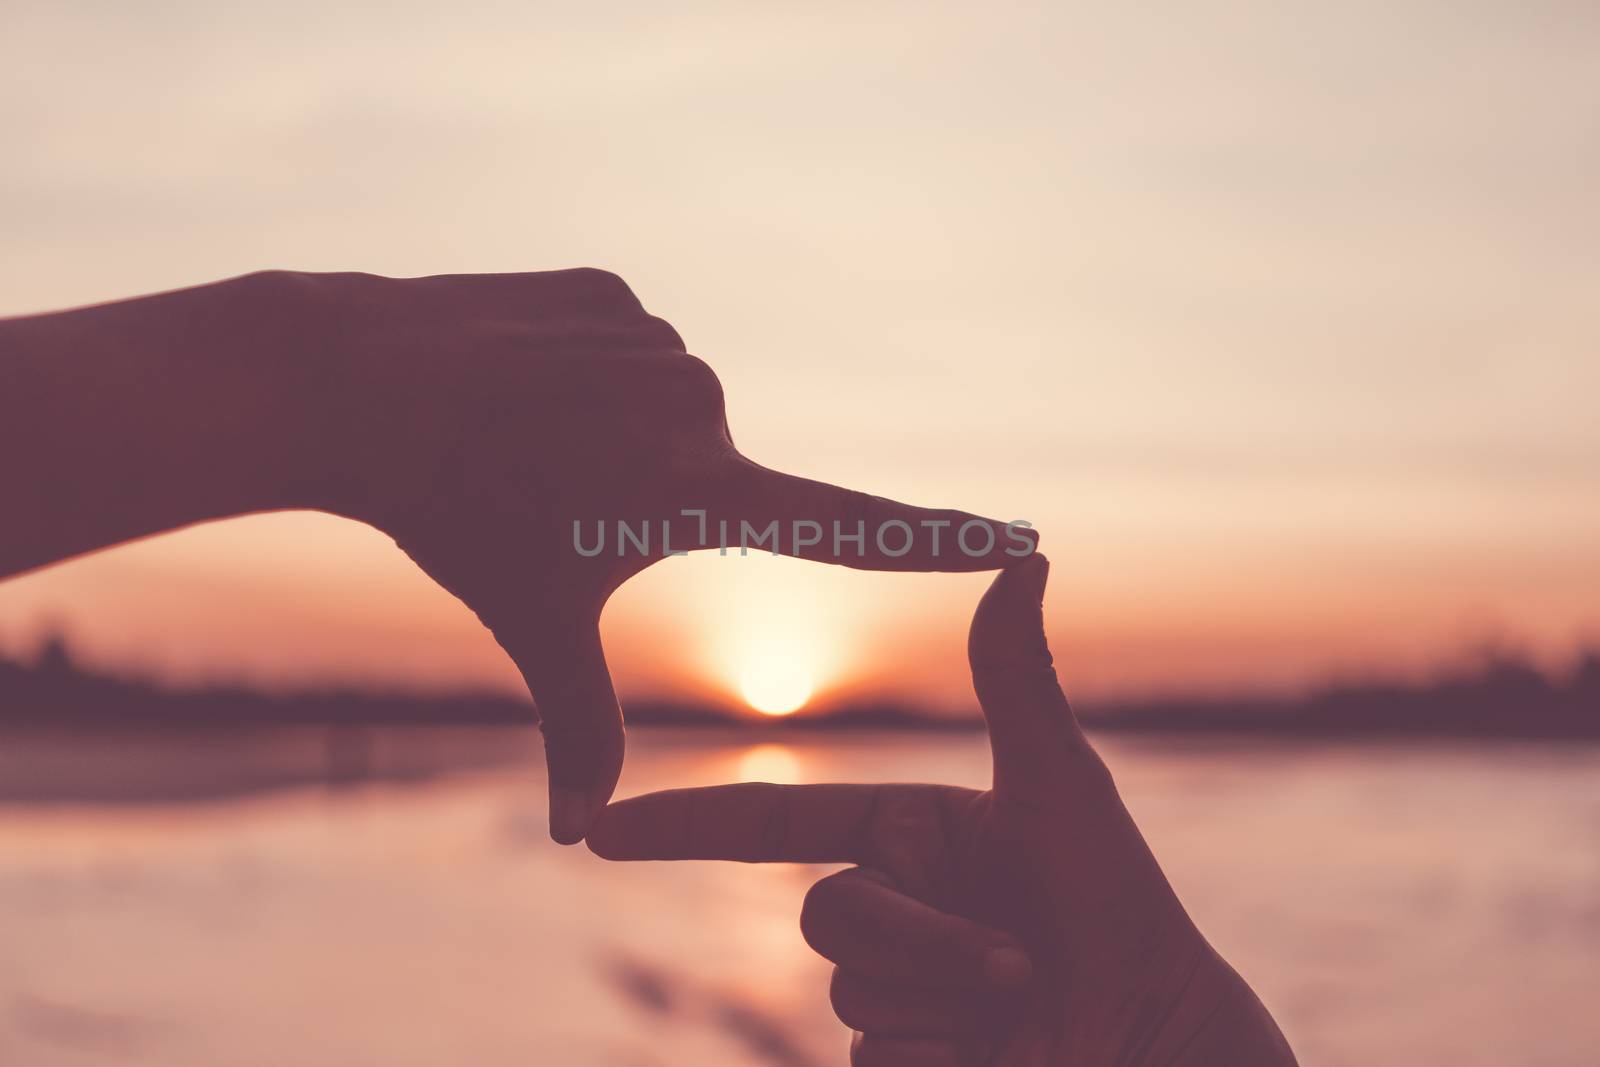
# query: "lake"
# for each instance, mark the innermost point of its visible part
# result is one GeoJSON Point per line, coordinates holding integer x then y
{"type": "Point", "coordinates": [192, 899]}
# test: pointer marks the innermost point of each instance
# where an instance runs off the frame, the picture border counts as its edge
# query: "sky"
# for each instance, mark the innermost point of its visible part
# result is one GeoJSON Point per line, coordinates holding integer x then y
{"type": "Point", "coordinates": [1278, 321]}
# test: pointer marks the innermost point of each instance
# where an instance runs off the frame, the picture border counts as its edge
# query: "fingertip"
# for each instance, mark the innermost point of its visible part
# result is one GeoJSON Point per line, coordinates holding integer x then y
{"type": "Point", "coordinates": [868, 532]}
{"type": "Point", "coordinates": [1030, 576]}
{"type": "Point", "coordinates": [601, 840]}
{"type": "Point", "coordinates": [625, 830]}
{"type": "Point", "coordinates": [1008, 627]}
{"type": "Point", "coordinates": [582, 779]}
{"type": "Point", "coordinates": [1028, 533]}
{"type": "Point", "coordinates": [580, 722]}
{"type": "Point", "coordinates": [571, 814]}
{"type": "Point", "coordinates": [1006, 545]}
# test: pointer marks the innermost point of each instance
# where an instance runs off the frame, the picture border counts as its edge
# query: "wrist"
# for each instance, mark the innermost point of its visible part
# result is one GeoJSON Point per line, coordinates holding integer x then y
{"type": "Point", "coordinates": [369, 402]}
{"type": "Point", "coordinates": [288, 378]}
{"type": "Point", "coordinates": [320, 418]}
{"type": "Point", "coordinates": [251, 382]}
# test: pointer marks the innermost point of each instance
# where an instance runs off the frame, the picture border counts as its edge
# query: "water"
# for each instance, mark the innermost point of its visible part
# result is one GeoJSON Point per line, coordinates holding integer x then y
{"type": "Point", "coordinates": [1416, 904]}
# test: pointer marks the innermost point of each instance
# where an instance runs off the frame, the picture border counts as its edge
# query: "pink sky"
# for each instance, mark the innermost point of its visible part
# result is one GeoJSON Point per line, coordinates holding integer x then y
{"type": "Point", "coordinates": [1280, 327]}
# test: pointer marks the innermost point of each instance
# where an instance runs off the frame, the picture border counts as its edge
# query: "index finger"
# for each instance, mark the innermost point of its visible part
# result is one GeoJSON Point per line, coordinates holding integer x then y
{"type": "Point", "coordinates": [752, 822]}
{"type": "Point", "coordinates": [818, 521]}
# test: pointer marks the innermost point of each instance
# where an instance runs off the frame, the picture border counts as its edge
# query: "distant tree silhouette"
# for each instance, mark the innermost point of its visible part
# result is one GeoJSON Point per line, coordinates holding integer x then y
{"type": "Point", "coordinates": [1503, 696]}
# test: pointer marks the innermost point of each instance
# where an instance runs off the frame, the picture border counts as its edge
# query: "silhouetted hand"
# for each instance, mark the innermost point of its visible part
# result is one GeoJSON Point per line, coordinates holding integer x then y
{"type": "Point", "coordinates": [514, 406]}
{"type": "Point", "coordinates": [474, 418]}
{"type": "Point", "coordinates": [1025, 925]}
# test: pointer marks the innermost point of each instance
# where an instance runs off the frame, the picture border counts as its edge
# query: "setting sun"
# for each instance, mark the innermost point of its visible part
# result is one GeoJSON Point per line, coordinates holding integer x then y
{"type": "Point", "coordinates": [776, 633]}
{"type": "Point", "coordinates": [774, 683]}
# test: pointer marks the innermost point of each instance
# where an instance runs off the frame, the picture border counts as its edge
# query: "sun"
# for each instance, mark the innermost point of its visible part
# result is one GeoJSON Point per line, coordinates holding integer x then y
{"type": "Point", "coordinates": [774, 683]}
{"type": "Point", "coordinates": [771, 641]}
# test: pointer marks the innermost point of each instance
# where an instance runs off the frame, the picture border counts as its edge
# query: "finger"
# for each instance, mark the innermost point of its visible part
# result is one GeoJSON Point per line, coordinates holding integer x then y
{"type": "Point", "coordinates": [824, 522]}
{"type": "Point", "coordinates": [860, 921]}
{"type": "Point", "coordinates": [1031, 726]}
{"type": "Point", "coordinates": [752, 822]}
{"type": "Point", "coordinates": [547, 294]}
{"type": "Point", "coordinates": [863, 1003]}
{"type": "Point", "coordinates": [565, 668]}
{"type": "Point", "coordinates": [879, 1050]}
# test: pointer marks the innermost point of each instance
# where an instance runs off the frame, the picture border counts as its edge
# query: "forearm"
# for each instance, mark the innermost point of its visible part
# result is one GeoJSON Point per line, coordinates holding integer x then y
{"type": "Point", "coordinates": [127, 419]}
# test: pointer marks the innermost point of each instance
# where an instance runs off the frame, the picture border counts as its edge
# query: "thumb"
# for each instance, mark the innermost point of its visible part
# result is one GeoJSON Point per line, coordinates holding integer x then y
{"type": "Point", "coordinates": [564, 665]}
{"type": "Point", "coordinates": [1031, 727]}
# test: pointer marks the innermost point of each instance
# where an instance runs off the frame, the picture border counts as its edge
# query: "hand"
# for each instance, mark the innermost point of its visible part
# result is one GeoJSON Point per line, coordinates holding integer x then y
{"type": "Point", "coordinates": [1025, 925]}
{"type": "Point", "coordinates": [484, 415]}
{"type": "Point", "coordinates": [474, 418]}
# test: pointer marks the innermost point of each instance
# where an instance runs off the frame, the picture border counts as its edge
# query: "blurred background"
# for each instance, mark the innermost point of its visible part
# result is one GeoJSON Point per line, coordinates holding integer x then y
{"type": "Point", "coordinates": [1278, 321]}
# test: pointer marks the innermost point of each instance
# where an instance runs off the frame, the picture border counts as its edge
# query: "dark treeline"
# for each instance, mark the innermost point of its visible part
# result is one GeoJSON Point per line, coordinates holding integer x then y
{"type": "Point", "coordinates": [53, 688]}
{"type": "Point", "coordinates": [1502, 696]}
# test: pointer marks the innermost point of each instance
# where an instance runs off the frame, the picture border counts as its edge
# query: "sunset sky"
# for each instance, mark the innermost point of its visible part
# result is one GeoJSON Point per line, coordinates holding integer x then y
{"type": "Point", "coordinates": [1279, 322]}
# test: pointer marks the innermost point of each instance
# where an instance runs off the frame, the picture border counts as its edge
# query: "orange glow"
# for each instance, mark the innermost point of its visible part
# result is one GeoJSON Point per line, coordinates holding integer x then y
{"type": "Point", "coordinates": [1271, 423]}
{"type": "Point", "coordinates": [771, 633]}
{"type": "Point", "coordinates": [770, 763]}
{"type": "Point", "coordinates": [775, 681]}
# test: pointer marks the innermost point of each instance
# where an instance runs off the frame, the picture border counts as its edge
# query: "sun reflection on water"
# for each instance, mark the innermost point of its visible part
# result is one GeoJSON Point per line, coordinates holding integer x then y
{"type": "Point", "coordinates": [771, 762]}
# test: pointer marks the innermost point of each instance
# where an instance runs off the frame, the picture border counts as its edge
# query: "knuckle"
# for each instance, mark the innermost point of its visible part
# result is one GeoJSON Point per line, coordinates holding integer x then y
{"type": "Point", "coordinates": [271, 276]}
{"type": "Point", "coordinates": [277, 282]}
{"type": "Point", "coordinates": [599, 277]}
{"type": "Point", "coordinates": [605, 283]}
{"type": "Point", "coordinates": [663, 333]}
{"type": "Point", "coordinates": [698, 377]}
{"type": "Point", "coordinates": [322, 294]}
